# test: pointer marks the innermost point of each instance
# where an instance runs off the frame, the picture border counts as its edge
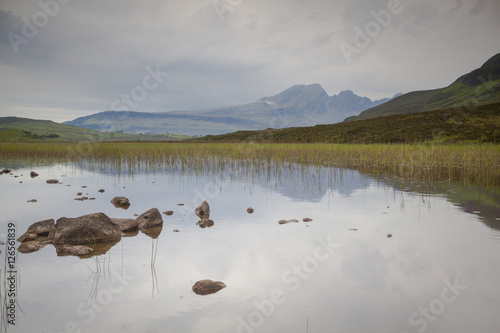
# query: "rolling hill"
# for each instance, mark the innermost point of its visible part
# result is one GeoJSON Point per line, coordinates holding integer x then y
{"type": "Point", "coordinates": [479, 87]}
{"type": "Point", "coordinates": [24, 129]}
{"type": "Point", "coordinates": [481, 125]}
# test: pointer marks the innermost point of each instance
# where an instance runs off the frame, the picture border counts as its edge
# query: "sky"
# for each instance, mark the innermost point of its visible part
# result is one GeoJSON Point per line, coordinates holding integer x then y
{"type": "Point", "coordinates": [63, 59]}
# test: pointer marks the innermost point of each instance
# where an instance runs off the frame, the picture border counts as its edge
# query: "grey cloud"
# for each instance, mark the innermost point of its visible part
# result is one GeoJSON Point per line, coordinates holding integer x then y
{"type": "Point", "coordinates": [91, 52]}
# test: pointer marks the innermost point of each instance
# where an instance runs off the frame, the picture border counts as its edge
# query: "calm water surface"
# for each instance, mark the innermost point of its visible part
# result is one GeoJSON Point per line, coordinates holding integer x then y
{"type": "Point", "coordinates": [439, 271]}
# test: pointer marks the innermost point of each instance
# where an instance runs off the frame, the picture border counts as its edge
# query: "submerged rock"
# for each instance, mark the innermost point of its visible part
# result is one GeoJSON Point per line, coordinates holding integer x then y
{"type": "Point", "coordinates": [288, 221]}
{"type": "Point", "coordinates": [87, 229]}
{"type": "Point", "coordinates": [203, 210]}
{"type": "Point", "coordinates": [207, 287]}
{"type": "Point", "coordinates": [30, 246]}
{"type": "Point", "coordinates": [41, 231]}
{"type": "Point", "coordinates": [205, 223]}
{"type": "Point", "coordinates": [126, 225]}
{"type": "Point", "coordinates": [121, 202]}
{"type": "Point", "coordinates": [150, 219]}
{"type": "Point", "coordinates": [52, 181]}
{"type": "Point", "coordinates": [73, 250]}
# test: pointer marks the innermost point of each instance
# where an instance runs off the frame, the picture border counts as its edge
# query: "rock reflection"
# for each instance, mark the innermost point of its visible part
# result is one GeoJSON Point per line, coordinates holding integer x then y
{"type": "Point", "coordinates": [152, 232]}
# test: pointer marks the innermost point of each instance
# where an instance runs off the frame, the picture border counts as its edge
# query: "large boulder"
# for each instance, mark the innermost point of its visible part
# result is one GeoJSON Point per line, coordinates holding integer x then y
{"type": "Point", "coordinates": [126, 225]}
{"type": "Point", "coordinates": [87, 229]}
{"type": "Point", "coordinates": [41, 231]}
{"type": "Point", "coordinates": [120, 202]}
{"type": "Point", "coordinates": [207, 287]}
{"type": "Point", "coordinates": [203, 210]}
{"type": "Point", "coordinates": [150, 219]}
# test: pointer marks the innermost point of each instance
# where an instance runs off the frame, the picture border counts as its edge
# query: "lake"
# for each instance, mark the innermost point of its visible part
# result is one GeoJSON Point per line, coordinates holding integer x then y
{"type": "Point", "coordinates": [380, 255]}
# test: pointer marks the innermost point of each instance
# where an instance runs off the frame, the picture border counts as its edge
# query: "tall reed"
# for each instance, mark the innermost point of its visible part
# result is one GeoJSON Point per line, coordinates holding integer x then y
{"type": "Point", "coordinates": [466, 163]}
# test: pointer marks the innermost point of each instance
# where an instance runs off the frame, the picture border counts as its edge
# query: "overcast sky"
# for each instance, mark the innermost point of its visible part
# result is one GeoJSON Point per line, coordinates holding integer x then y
{"type": "Point", "coordinates": [62, 59]}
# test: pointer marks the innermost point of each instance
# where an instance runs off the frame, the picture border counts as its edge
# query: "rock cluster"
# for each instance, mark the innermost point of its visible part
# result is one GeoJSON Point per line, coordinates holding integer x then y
{"type": "Point", "coordinates": [75, 236]}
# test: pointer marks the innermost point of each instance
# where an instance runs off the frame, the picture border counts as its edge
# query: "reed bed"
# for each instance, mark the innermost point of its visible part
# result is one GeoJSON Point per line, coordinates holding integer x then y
{"type": "Point", "coordinates": [464, 163]}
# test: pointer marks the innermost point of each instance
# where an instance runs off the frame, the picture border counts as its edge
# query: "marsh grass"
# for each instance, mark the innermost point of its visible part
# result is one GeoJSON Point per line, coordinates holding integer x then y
{"type": "Point", "coordinates": [464, 163]}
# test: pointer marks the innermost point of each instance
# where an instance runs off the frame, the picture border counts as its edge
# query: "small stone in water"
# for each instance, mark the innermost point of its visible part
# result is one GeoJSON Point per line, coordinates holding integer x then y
{"type": "Point", "coordinates": [287, 221]}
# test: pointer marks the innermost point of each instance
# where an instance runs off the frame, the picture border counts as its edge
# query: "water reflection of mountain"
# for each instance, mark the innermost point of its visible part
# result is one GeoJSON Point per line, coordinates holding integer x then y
{"type": "Point", "coordinates": [484, 202]}
{"type": "Point", "coordinates": [480, 201]}
{"type": "Point", "coordinates": [303, 183]}
{"type": "Point", "coordinates": [313, 184]}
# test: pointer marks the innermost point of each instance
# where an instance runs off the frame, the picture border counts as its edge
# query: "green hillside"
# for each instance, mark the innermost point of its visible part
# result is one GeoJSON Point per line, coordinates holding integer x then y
{"type": "Point", "coordinates": [479, 87]}
{"type": "Point", "coordinates": [24, 129]}
{"type": "Point", "coordinates": [478, 124]}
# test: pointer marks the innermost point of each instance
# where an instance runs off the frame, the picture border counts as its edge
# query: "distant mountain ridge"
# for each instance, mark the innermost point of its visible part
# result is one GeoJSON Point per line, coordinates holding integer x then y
{"type": "Point", "coordinates": [299, 105]}
{"type": "Point", "coordinates": [479, 87]}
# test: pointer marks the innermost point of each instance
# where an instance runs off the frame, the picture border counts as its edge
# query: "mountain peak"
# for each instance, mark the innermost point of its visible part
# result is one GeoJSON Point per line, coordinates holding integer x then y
{"type": "Point", "coordinates": [489, 71]}
{"type": "Point", "coordinates": [347, 92]}
{"type": "Point", "coordinates": [492, 62]}
{"type": "Point", "coordinates": [297, 94]}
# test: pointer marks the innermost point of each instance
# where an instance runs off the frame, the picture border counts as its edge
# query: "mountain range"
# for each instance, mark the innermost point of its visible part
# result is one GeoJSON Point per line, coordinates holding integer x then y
{"type": "Point", "coordinates": [299, 105]}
